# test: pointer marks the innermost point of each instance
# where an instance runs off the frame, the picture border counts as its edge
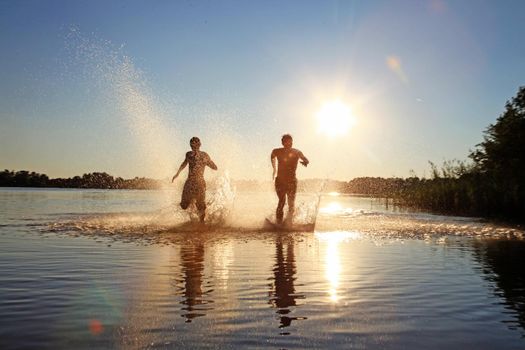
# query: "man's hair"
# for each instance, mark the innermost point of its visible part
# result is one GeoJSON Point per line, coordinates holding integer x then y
{"type": "Point", "coordinates": [195, 139]}
{"type": "Point", "coordinates": [286, 137]}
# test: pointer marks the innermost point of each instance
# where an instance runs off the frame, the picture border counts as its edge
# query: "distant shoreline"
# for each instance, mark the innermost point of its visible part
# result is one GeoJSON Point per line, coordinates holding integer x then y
{"type": "Point", "coordinates": [461, 193]}
{"type": "Point", "coordinates": [362, 186]}
{"type": "Point", "coordinates": [366, 186]}
{"type": "Point", "coordinates": [335, 194]}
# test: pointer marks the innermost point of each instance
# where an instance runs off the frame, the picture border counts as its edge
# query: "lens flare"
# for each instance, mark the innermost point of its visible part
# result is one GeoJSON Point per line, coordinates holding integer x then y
{"type": "Point", "coordinates": [95, 327]}
{"type": "Point", "coordinates": [394, 64]}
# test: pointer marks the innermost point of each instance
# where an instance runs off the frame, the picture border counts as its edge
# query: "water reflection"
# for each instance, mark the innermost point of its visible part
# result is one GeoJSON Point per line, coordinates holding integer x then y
{"type": "Point", "coordinates": [222, 260]}
{"type": "Point", "coordinates": [332, 208]}
{"type": "Point", "coordinates": [333, 269]}
{"type": "Point", "coordinates": [192, 271]}
{"type": "Point", "coordinates": [282, 289]}
{"type": "Point", "coordinates": [503, 262]}
{"type": "Point", "coordinates": [332, 259]}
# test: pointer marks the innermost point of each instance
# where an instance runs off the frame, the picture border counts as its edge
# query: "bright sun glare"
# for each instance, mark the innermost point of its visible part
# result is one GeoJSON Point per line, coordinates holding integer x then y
{"type": "Point", "coordinates": [335, 118]}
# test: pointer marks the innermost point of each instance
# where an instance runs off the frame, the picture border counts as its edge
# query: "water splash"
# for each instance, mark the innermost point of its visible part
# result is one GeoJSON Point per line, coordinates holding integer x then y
{"type": "Point", "coordinates": [171, 218]}
{"type": "Point", "coordinates": [306, 211]}
{"type": "Point", "coordinates": [115, 76]}
{"type": "Point", "coordinates": [220, 205]}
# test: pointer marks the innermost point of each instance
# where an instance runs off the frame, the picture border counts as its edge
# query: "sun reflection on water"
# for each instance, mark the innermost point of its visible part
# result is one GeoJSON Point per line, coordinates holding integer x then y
{"type": "Point", "coordinates": [331, 208]}
{"type": "Point", "coordinates": [222, 260]}
{"type": "Point", "coordinates": [332, 261]}
{"type": "Point", "coordinates": [333, 269]}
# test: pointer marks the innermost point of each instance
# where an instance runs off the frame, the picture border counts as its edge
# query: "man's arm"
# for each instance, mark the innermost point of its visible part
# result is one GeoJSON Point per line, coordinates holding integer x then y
{"type": "Point", "coordinates": [304, 160]}
{"type": "Point", "coordinates": [273, 158]}
{"type": "Point", "coordinates": [182, 166]}
{"type": "Point", "coordinates": [210, 163]}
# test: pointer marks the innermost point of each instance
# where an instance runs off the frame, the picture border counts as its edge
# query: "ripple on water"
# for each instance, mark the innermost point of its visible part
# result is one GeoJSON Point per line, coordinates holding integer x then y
{"type": "Point", "coordinates": [147, 228]}
{"type": "Point", "coordinates": [370, 280]}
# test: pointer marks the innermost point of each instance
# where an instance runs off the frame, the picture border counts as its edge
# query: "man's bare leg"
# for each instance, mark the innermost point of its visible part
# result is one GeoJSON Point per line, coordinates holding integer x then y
{"type": "Point", "coordinates": [279, 213]}
{"type": "Point", "coordinates": [291, 208]}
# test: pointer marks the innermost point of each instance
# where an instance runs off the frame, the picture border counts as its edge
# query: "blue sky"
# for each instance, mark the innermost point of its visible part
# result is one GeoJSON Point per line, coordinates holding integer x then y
{"type": "Point", "coordinates": [121, 86]}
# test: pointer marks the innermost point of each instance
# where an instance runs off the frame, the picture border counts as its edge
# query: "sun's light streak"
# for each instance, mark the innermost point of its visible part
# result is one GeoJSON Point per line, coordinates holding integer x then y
{"type": "Point", "coordinates": [333, 265]}
{"type": "Point", "coordinates": [333, 269]}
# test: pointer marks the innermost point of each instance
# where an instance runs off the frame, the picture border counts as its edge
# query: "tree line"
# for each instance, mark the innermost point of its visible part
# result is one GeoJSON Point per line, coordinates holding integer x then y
{"type": "Point", "coordinates": [99, 180]}
{"type": "Point", "coordinates": [371, 186]}
{"type": "Point", "coordinates": [491, 184]}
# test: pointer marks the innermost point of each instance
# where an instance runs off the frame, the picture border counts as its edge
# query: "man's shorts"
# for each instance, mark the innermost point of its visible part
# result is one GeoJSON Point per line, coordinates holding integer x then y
{"type": "Point", "coordinates": [285, 187]}
{"type": "Point", "coordinates": [194, 190]}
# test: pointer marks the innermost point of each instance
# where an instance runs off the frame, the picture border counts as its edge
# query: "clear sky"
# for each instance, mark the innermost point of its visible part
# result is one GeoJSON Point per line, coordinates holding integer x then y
{"type": "Point", "coordinates": [121, 86]}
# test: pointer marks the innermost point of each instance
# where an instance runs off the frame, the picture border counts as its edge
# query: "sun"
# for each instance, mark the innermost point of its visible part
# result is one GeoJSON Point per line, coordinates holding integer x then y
{"type": "Point", "coordinates": [335, 119]}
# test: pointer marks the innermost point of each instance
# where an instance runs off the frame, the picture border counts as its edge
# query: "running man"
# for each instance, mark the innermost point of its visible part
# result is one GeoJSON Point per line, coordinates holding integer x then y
{"type": "Point", "coordinates": [286, 182]}
{"type": "Point", "coordinates": [195, 186]}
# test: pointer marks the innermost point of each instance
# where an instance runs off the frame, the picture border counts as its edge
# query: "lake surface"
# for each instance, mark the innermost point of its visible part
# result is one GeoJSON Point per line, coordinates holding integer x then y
{"type": "Point", "coordinates": [124, 269]}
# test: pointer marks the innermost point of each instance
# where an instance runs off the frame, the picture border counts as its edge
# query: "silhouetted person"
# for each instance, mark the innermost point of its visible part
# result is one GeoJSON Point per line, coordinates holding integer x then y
{"type": "Point", "coordinates": [286, 182]}
{"type": "Point", "coordinates": [195, 186]}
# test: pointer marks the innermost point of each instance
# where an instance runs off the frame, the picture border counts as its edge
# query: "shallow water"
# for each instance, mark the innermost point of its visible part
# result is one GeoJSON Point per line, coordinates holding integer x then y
{"type": "Point", "coordinates": [123, 269]}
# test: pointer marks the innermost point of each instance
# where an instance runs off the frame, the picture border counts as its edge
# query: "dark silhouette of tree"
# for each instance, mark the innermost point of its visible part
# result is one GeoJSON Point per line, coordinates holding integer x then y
{"type": "Point", "coordinates": [24, 178]}
{"type": "Point", "coordinates": [500, 159]}
{"type": "Point", "coordinates": [502, 153]}
{"type": "Point", "coordinates": [6, 178]}
{"type": "Point", "coordinates": [493, 186]}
